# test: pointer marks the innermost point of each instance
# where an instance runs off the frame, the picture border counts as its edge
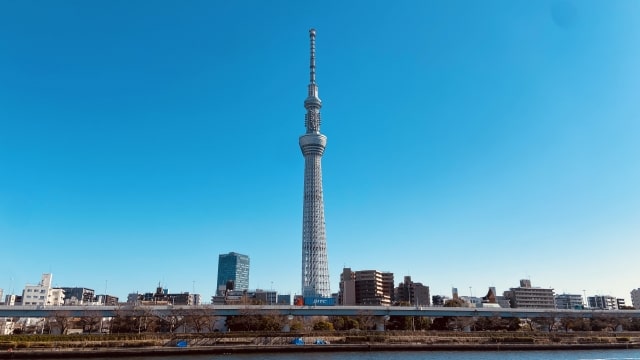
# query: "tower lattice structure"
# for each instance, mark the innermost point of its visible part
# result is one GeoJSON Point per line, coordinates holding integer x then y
{"type": "Point", "coordinates": [315, 265]}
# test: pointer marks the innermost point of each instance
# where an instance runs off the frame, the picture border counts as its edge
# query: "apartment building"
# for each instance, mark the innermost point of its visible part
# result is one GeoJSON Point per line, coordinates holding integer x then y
{"type": "Point", "coordinates": [527, 296]}
{"type": "Point", "coordinates": [366, 287]}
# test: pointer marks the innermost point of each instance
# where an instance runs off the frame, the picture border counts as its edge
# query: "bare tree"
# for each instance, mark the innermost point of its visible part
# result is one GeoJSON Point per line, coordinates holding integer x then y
{"type": "Point", "coordinates": [90, 320]}
{"type": "Point", "coordinates": [366, 320]}
{"type": "Point", "coordinates": [545, 322]}
{"type": "Point", "coordinates": [198, 318]}
{"type": "Point", "coordinates": [61, 320]}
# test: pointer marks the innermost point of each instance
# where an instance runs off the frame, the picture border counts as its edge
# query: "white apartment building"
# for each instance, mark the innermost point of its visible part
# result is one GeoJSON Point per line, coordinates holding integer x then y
{"type": "Point", "coordinates": [603, 302]}
{"type": "Point", "coordinates": [43, 293]}
{"type": "Point", "coordinates": [527, 296]}
{"type": "Point", "coordinates": [569, 301]}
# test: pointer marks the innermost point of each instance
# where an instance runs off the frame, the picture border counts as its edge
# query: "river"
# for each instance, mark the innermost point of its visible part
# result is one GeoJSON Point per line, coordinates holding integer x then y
{"type": "Point", "coordinates": [415, 355]}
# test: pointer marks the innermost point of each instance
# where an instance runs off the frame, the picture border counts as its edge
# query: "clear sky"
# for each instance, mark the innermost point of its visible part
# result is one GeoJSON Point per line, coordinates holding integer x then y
{"type": "Point", "coordinates": [470, 143]}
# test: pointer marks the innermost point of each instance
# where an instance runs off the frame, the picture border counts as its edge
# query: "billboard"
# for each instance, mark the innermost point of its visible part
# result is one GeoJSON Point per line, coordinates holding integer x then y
{"type": "Point", "coordinates": [319, 301]}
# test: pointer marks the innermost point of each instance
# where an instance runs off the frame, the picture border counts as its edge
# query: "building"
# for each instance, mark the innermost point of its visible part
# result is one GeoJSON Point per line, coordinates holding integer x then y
{"type": "Point", "coordinates": [527, 296]}
{"type": "Point", "coordinates": [162, 296]}
{"type": "Point", "coordinates": [78, 296]}
{"type": "Point", "coordinates": [366, 287]}
{"type": "Point", "coordinates": [233, 297]}
{"type": "Point", "coordinates": [13, 300]}
{"type": "Point", "coordinates": [106, 300]}
{"type": "Point", "coordinates": [603, 302]}
{"type": "Point", "coordinates": [412, 293]}
{"type": "Point", "coordinates": [635, 298]}
{"type": "Point", "coordinates": [347, 293]}
{"type": "Point", "coordinates": [439, 300]}
{"type": "Point", "coordinates": [233, 272]}
{"type": "Point", "coordinates": [42, 293]}
{"type": "Point", "coordinates": [569, 301]}
{"type": "Point", "coordinates": [267, 297]}
{"type": "Point", "coordinates": [493, 300]}
{"type": "Point", "coordinates": [284, 299]}
{"type": "Point", "coordinates": [315, 264]}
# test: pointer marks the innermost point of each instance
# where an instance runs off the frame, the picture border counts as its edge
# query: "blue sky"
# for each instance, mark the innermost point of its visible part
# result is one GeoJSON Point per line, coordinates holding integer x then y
{"type": "Point", "coordinates": [470, 144]}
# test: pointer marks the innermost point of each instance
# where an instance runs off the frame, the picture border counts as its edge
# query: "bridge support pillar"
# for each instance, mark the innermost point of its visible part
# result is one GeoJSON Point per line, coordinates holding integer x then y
{"type": "Point", "coordinates": [287, 324]}
{"type": "Point", "coordinates": [381, 322]}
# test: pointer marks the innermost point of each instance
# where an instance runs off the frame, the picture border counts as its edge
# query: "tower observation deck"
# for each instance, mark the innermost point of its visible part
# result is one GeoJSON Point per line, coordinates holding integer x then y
{"type": "Point", "coordinates": [315, 266]}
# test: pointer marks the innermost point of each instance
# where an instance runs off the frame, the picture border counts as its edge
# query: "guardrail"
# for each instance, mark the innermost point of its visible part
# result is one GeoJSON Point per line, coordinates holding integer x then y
{"type": "Point", "coordinates": [238, 310]}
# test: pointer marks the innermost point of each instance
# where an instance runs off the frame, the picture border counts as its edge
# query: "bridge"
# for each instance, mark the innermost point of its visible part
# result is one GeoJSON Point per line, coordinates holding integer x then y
{"type": "Point", "coordinates": [286, 310]}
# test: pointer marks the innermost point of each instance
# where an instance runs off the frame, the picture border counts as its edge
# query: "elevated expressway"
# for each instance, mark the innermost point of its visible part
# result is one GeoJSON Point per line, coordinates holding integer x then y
{"type": "Point", "coordinates": [286, 310]}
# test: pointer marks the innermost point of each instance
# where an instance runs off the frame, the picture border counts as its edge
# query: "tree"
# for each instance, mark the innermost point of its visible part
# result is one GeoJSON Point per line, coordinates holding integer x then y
{"type": "Point", "coordinates": [366, 320]}
{"type": "Point", "coordinates": [323, 325]}
{"type": "Point", "coordinates": [496, 323]}
{"type": "Point", "coordinates": [454, 303]}
{"type": "Point", "coordinates": [123, 321]}
{"type": "Point", "coordinates": [342, 323]}
{"type": "Point", "coordinates": [441, 323]}
{"type": "Point", "coordinates": [61, 321]}
{"type": "Point", "coordinates": [197, 319]}
{"type": "Point", "coordinates": [603, 322]}
{"type": "Point", "coordinates": [250, 320]}
{"type": "Point", "coordinates": [546, 323]}
{"type": "Point", "coordinates": [400, 323]}
{"type": "Point", "coordinates": [90, 320]}
{"type": "Point", "coordinates": [634, 325]}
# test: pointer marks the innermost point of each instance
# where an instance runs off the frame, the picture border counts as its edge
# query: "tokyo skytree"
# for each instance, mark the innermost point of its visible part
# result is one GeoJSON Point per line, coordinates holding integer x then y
{"type": "Point", "coordinates": [315, 266]}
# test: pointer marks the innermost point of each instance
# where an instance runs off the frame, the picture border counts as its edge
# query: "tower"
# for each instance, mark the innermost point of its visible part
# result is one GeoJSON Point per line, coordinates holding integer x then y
{"type": "Point", "coordinates": [315, 266]}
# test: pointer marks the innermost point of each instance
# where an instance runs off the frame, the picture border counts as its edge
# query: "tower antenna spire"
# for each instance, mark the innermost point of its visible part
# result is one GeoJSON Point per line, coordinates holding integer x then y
{"type": "Point", "coordinates": [312, 65]}
{"type": "Point", "coordinates": [313, 102]}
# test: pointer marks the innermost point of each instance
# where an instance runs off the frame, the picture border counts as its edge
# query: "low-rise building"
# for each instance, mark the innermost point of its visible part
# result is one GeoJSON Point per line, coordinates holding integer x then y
{"type": "Point", "coordinates": [569, 301]}
{"type": "Point", "coordinates": [603, 302]}
{"type": "Point", "coordinates": [106, 300]}
{"type": "Point", "coordinates": [13, 300]}
{"type": "Point", "coordinates": [42, 293]}
{"type": "Point", "coordinates": [78, 296]}
{"type": "Point", "coordinates": [527, 296]}
{"type": "Point", "coordinates": [412, 293]}
{"type": "Point", "coordinates": [635, 298]}
{"type": "Point", "coordinates": [162, 296]}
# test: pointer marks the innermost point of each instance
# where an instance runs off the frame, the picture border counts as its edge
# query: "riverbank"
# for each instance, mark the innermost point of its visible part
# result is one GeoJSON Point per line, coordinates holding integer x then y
{"type": "Point", "coordinates": [238, 349]}
{"type": "Point", "coordinates": [342, 343]}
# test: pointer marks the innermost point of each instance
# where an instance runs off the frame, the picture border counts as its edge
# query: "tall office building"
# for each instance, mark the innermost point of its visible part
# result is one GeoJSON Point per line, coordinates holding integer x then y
{"type": "Point", "coordinates": [233, 268]}
{"type": "Point", "coordinates": [315, 266]}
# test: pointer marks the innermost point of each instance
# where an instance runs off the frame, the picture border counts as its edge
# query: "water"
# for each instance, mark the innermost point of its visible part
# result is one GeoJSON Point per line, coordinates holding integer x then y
{"type": "Point", "coordinates": [416, 355]}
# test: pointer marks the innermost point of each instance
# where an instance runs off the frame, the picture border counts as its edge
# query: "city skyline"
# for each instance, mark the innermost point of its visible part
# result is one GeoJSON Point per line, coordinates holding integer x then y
{"type": "Point", "coordinates": [472, 145]}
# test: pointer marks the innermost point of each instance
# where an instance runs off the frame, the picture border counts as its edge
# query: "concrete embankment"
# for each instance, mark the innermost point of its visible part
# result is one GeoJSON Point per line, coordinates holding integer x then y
{"type": "Point", "coordinates": [226, 349]}
{"type": "Point", "coordinates": [83, 346]}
